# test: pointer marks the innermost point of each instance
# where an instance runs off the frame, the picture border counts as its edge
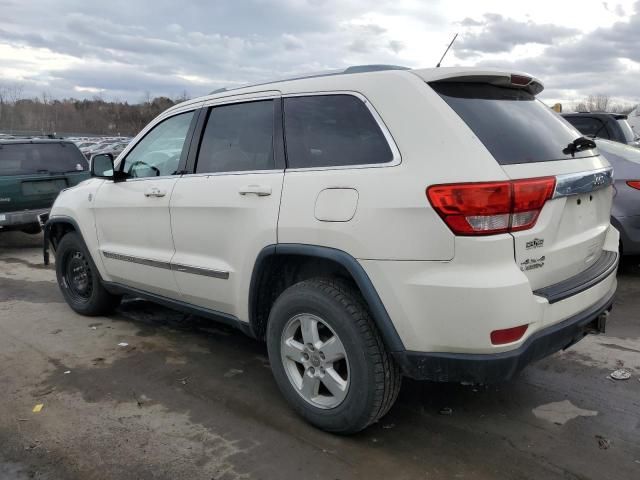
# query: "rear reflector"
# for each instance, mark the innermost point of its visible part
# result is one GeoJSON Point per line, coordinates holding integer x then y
{"type": "Point", "coordinates": [508, 335]}
{"type": "Point", "coordinates": [634, 184]}
{"type": "Point", "coordinates": [491, 207]}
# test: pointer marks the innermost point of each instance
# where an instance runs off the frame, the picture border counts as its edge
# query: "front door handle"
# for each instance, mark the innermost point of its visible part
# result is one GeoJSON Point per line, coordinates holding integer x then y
{"type": "Point", "coordinates": [154, 192]}
{"type": "Point", "coordinates": [259, 190]}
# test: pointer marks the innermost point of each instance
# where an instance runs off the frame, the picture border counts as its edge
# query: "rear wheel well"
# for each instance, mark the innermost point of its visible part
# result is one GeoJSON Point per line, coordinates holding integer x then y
{"type": "Point", "coordinates": [278, 272]}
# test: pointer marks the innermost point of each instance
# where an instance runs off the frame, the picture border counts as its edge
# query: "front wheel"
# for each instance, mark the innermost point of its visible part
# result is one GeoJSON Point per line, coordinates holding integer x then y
{"type": "Point", "coordinates": [328, 358]}
{"type": "Point", "coordinates": [79, 280]}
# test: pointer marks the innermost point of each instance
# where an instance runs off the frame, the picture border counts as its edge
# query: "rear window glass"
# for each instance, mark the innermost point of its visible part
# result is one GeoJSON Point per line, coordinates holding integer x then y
{"type": "Point", "coordinates": [30, 158]}
{"type": "Point", "coordinates": [332, 130]}
{"type": "Point", "coordinates": [511, 123]}
{"type": "Point", "coordinates": [589, 126]}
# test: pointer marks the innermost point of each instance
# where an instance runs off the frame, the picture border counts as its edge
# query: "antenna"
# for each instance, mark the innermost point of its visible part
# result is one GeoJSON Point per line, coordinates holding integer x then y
{"type": "Point", "coordinates": [445, 52]}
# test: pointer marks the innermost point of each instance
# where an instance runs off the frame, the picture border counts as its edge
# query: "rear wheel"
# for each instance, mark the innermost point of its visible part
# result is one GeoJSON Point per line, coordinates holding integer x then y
{"type": "Point", "coordinates": [79, 280]}
{"type": "Point", "coordinates": [328, 358]}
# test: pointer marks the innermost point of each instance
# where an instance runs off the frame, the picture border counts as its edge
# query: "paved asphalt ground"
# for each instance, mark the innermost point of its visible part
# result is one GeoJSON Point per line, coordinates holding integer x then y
{"type": "Point", "coordinates": [188, 399]}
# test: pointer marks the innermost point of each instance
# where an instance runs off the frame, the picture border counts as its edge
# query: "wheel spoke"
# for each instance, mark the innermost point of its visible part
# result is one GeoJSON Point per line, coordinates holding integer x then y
{"type": "Point", "coordinates": [310, 386]}
{"type": "Point", "coordinates": [310, 334]}
{"type": "Point", "coordinates": [332, 349]}
{"type": "Point", "coordinates": [335, 384]}
{"type": "Point", "coordinates": [293, 350]}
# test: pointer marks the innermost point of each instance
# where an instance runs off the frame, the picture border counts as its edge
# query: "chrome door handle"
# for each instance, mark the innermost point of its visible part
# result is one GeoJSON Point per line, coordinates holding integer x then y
{"type": "Point", "coordinates": [154, 192]}
{"type": "Point", "coordinates": [259, 190]}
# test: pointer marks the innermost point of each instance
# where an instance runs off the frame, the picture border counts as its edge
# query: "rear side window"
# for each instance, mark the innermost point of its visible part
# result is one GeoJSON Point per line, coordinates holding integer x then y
{"type": "Point", "coordinates": [511, 123]}
{"type": "Point", "coordinates": [30, 158]}
{"type": "Point", "coordinates": [592, 127]}
{"type": "Point", "coordinates": [238, 137]}
{"type": "Point", "coordinates": [332, 130]}
{"type": "Point", "coordinates": [627, 131]}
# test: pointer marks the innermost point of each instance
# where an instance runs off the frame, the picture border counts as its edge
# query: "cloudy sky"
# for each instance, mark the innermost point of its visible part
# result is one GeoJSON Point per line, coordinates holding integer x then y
{"type": "Point", "coordinates": [124, 49]}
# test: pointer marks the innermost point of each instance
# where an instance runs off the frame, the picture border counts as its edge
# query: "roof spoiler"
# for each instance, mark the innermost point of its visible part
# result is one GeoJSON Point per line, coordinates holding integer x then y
{"type": "Point", "coordinates": [514, 80]}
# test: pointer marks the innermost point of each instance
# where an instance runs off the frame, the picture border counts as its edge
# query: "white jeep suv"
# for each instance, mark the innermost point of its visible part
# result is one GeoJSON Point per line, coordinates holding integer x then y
{"type": "Point", "coordinates": [441, 224]}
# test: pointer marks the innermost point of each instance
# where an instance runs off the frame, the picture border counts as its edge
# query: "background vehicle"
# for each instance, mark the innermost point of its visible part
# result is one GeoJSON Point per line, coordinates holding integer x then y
{"type": "Point", "coordinates": [32, 172]}
{"type": "Point", "coordinates": [441, 224]}
{"type": "Point", "coordinates": [610, 126]}
{"type": "Point", "coordinates": [625, 215]}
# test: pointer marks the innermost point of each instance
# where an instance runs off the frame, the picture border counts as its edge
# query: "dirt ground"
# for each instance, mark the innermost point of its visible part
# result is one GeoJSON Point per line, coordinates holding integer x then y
{"type": "Point", "coordinates": [189, 399]}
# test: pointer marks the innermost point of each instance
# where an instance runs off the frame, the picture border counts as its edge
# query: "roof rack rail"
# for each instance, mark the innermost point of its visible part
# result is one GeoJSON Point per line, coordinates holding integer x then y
{"type": "Point", "coordinates": [327, 73]}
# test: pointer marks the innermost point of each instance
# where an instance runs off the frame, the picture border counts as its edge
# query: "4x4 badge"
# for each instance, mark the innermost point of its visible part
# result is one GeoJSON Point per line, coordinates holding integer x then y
{"type": "Point", "coordinates": [535, 243]}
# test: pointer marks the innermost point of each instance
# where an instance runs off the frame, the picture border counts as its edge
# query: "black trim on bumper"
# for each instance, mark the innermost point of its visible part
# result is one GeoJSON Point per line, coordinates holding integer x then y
{"type": "Point", "coordinates": [601, 269]}
{"type": "Point", "coordinates": [497, 367]}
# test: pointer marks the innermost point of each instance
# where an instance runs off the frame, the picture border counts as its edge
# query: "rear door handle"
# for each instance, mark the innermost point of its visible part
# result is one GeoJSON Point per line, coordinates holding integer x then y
{"type": "Point", "coordinates": [154, 192]}
{"type": "Point", "coordinates": [259, 190]}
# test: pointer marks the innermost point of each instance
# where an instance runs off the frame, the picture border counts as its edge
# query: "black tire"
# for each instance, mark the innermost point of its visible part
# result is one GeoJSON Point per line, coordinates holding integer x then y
{"type": "Point", "coordinates": [374, 377]}
{"type": "Point", "coordinates": [79, 280]}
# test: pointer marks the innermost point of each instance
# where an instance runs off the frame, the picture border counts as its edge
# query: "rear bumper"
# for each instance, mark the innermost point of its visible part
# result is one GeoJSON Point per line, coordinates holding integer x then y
{"type": "Point", "coordinates": [497, 367]}
{"type": "Point", "coordinates": [22, 218]}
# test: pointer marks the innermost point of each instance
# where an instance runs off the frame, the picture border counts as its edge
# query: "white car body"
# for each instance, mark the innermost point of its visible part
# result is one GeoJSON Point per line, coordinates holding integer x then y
{"type": "Point", "coordinates": [196, 238]}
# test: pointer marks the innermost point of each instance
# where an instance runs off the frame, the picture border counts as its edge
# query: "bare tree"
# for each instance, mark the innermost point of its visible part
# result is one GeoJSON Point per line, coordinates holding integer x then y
{"type": "Point", "coordinates": [603, 103]}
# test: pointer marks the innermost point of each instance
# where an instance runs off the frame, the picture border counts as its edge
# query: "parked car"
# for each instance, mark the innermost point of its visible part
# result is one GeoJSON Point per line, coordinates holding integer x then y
{"type": "Point", "coordinates": [625, 215]}
{"type": "Point", "coordinates": [610, 126]}
{"type": "Point", "coordinates": [441, 224]}
{"type": "Point", "coordinates": [32, 172]}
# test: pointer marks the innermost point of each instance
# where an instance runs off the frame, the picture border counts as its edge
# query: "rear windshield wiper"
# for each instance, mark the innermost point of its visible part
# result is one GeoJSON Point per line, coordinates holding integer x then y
{"type": "Point", "coordinates": [578, 145]}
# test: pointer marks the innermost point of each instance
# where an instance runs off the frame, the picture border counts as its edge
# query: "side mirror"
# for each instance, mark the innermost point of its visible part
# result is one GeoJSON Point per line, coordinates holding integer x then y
{"type": "Point", "coordinates": [101, 166]}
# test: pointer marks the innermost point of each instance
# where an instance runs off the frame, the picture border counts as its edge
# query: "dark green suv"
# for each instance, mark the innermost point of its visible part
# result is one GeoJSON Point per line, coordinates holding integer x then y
{"type": "Point", "coordinates": [32, 173]}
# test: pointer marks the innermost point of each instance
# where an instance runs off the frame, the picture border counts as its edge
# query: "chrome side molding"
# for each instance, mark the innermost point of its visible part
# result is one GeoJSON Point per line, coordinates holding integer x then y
{"type": "Point", "coordinates": [207, 272]}
{"type": "Point", "coordinates": [583, 182]}
{"type": "Point", "coordinates": [139, 260]}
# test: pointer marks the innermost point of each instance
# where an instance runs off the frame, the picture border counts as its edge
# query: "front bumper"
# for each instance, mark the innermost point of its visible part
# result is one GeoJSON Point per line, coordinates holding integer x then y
{"type": "Point", "coordinates": [497, 367]}
{"type": "Point", "coordinates": [22, 218]}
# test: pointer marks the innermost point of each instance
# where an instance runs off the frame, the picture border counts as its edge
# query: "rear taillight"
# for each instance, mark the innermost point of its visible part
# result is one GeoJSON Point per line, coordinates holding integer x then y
{"type": "Point", "coordinates": [491, 207]}
{"type": "Point", "coordinates": [634, 184]}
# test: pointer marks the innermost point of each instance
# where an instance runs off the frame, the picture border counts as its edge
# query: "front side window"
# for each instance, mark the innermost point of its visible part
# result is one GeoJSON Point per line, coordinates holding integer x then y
{"type": "Point", "coordinates": [158, 153]}
{"type": "Point", "coordinates": [237, 138]}
{"type": "Point", "coordinates": [332, 130]}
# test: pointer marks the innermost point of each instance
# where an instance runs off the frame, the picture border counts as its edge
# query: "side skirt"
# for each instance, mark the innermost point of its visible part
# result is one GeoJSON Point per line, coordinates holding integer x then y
{"type": "Point", "coordinates": [230, 320]}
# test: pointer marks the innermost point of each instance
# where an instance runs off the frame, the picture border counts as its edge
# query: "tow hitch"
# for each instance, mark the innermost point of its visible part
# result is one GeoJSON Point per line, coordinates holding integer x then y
{"type": "Point", "coordinates": [598, 325]}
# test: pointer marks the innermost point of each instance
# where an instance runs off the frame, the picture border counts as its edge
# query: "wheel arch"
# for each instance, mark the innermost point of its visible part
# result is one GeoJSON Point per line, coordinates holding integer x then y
{"type": "Point", "coordinates": [279, 266]}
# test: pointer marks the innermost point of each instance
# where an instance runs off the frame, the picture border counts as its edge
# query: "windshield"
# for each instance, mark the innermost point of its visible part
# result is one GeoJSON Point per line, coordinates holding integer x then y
{"type": "Point", "coordinates": [511, 123]}
{"type": "Point", "coordinates": [32, 158]}
{"type": "Point", "coordinates": [627, 131]}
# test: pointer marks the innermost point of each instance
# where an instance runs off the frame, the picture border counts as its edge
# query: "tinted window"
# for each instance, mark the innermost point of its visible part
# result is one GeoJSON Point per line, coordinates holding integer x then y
{"type": "Point", "coordinates": [158, 153]}
{"type": "Point", "coordinates": [511, 123]}
{"type": "Point", "coordinates": [238, 137]}
{"type": "Point", "coordinates": [29, 158]}
{"type": "Point", "coordinates": [589, 126]}
{"type": "Point", "coordinates": [331, 130]}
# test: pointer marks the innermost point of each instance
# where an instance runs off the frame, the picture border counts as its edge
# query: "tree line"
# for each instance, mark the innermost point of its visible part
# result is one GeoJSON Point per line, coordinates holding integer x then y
{"type": "Point", "coordinates": [44, 115]}
{"type": "Point", "coordinates": [603, 103]}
